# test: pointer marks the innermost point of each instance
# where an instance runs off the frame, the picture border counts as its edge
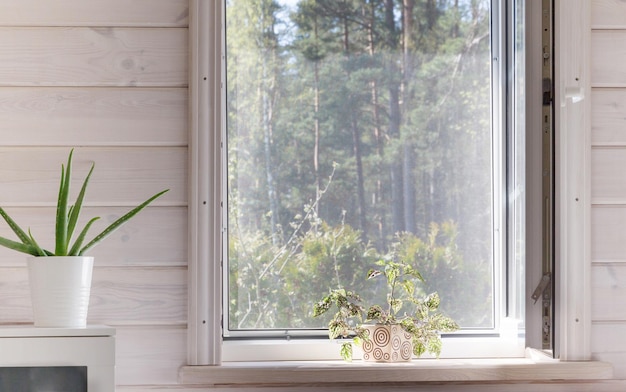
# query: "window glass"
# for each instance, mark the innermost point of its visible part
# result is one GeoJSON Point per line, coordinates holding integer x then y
{"type": "Point", "coordinates": [355, 129]}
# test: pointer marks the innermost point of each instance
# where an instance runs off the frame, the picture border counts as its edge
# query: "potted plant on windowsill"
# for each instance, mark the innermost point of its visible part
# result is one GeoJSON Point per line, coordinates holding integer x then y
{"type": "Point", "coordinates": [60, 280]}
{"type": "Point", "coordinates": [384, 333]}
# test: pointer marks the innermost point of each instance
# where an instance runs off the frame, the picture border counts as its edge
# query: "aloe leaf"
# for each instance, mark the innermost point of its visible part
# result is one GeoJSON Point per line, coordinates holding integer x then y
{"type": "Point", "coordinates": [18, 246]}
{"type": "Point", "coordinates": [113, 226]}
{"type": "Point", "coordinates": [34, 244]}
{"type": "Point", "coordinates": [61, 219]}
{"type": "Point", "coordinates": [21, 234]}
{"type": "Point", "coordinates": [81, 238]}
{"type": "Point", "coordinates": [75, 209]}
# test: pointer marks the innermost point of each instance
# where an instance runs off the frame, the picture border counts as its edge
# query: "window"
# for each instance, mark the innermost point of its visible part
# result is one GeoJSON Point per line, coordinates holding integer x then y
{"type": "Point", "coordinates": [348, 122]}
{"type": "Point", "coordinates": [572, 203]}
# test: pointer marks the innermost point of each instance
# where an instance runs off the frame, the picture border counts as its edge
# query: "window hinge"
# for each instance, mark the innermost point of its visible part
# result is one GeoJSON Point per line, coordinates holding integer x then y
{"type": "Point", "coordinates": [544, 290]}
{"type": "Point", "coordinates": [541, 287]}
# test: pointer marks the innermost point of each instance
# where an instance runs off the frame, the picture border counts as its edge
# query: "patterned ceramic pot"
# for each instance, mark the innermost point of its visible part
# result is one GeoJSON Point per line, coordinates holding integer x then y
{"type": "Point", "coordinates": [387, 343]}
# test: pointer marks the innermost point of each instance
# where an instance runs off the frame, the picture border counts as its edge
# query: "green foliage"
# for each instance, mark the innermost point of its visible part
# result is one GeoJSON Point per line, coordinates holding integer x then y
{"type": "Point", "coordinates": [66, 220]}
{"type": "Point", "coordinates": [466, 283]}
{"type": "Point", "coordinates": [424, 111]}
{"type": "Point", "coordinates": [346, 352]}
{"type": "Point", "coordinates": [420, 317]}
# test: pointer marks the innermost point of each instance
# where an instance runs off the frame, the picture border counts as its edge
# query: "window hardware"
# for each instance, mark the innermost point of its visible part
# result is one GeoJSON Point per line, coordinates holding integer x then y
{"type": "Point", "coordinates": [541, 287]}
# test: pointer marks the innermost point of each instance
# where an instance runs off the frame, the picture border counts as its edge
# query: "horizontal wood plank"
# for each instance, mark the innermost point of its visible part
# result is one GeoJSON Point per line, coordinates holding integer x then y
{"type": "Point", "coordinates": [608, 336]}
{"type": "Point", "coordinates": [608, 283]}
{"type": "Point", "coordinates": [54, 116]}
{"type": "Point", "coordinates": [157, 237]}
{"type": "Point", "coordinates": [608, 111]}
{"type": "Point", "coordinates": [163, 13]}
{"type": "Point", "coordinates": [77, 56]}
{"type": "Point", "coordinates": [608, 233]}
{"type": "Point", "coordinates": [123, 176]}
{"type": "Point", "coordinates": [608, 14]}
{"type": "Point", "coordinates": [150, 355]}
{"type": "Point", "coordinates": [619, 367]}
{"type": "Point", "coordinates": [608, 54]}
{"type": "Point", "coordinates": [460, 386]}
{"type": "Point", "coordinates": [119, 296]}
{"type": "Point", "coordinates": [608, 181]}
{"type": "Point", "coordinates": [441, 371]}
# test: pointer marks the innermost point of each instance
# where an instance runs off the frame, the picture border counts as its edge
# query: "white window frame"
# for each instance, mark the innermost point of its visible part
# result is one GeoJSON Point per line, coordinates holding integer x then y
{"type": "Point", "coordinates": [205, 346]}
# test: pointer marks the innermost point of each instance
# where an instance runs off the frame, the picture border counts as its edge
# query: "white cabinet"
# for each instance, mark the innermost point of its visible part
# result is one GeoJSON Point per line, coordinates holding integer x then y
{"type": "Point", "coordinates": [92, 347]}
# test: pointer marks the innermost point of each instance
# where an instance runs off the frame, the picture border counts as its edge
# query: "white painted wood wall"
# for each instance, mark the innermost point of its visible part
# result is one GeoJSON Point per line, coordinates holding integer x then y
{"type": "Point", "coordinates": [109, 77]}
{"type": "Point", "coordinates": [608, 182]}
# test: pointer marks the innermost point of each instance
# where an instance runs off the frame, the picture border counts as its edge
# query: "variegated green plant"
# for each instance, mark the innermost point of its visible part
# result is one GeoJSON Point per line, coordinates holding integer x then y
{"type": "Point", "coordinates": [420, 317]}
{"type": "Point", "coordinates": [66, 220]}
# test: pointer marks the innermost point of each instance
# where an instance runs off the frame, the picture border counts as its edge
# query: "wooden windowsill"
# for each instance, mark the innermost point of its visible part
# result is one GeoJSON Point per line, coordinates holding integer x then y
{"type": "Point", "coordinates": [292, 373]}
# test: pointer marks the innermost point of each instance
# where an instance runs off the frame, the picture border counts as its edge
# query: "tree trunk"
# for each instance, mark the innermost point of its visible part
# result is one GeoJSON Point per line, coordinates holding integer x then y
{"type": "Point", "coordinates": [316, 126]}
{"type": "Point", "coordinates": [267, 92]}
{"type": "Point", "coordinates": [408, 151]}
{"type": "Point", "coordinates": [379, 196]}
{"type": "Point", "coordinates": [356, 143]}
{"type": "Point", "coordinates": [397, 198]}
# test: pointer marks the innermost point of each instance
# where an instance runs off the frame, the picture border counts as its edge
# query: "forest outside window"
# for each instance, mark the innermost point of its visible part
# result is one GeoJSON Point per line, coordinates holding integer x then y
{"type": "Point", "coordinates": [358, 129]}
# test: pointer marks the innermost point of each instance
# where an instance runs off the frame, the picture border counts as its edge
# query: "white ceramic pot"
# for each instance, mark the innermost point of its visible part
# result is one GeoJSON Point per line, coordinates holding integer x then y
{"type": "Point", "coordinates": [60, 287]}
{"type": "Point", "coordinates": [387, 343]}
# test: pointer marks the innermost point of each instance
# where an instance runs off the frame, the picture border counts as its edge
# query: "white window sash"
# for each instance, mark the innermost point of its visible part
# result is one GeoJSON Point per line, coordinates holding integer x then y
{"type": "Point", "coordinates": [205, 184]}
{"type": "Point", "coordinates": [573, 174]}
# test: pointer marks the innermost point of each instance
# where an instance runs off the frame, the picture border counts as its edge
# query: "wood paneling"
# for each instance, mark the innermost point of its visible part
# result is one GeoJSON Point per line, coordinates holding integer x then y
{"type": "Point", "coordinates": [608, 282]}
{"type": "Point", "coordinates": [608, 14]}
{"type": "Point", "coordinates": [119, 296]}
{"type": "Point", "coordinates": [608, 216]}
{"type": "Point", "coordinates": [609, 345]}
{"type": "Point", "coordinates": [608, 110]}
{"type": "Point", "coordinates": [103, 116]}
{"type": "Point", "coordinates": [609, 337]}
{"type": "Point", "coordinates": [608, 54]}
{"type": "Point", "coordinates": [165, 13]}
{"type": "Point", "coordinates": [150, 355]}
{"type": "Point", "coordinates": [78, 56]}
{"type": "Point", "coordinates": [607, 233]}
{"type": "Point", "coordinates": [123, 176]}
{"type": "Point", "coordinates": [108, 77]}
{"type": "Point", "coordinates": [460, 386]}
{"type": "Point", "coordinates": [608, 180]}
{"type": "Point", "coordinates": [154, 238]}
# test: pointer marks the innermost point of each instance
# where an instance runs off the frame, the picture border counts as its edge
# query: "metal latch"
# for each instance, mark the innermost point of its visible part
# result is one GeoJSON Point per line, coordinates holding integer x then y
{"type": "Point", "coordinates": [541, 287]}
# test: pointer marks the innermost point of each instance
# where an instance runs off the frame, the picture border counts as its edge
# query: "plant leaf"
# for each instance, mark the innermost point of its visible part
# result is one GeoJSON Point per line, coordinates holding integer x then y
{"type": "Point", "coordinates": [396, 305]}
{"type": "Point", "coordinates": [81, 237]}
{"type": "Point", "coordinates": [409, 287]}
{"type": "Point", "coordinates": [21, 234]}
{"type": "Point", "coordinates": [113, 226]}
{"type": "Point", "coordinates": [346, 352]}
{"type": "Point", "coordinates": [322, 306]}
{"type": "Point", "coordinates": [372, 273]}
{"type": "Point", "coordinates": [433, 301]}
{"type": "Point", "coordinates": [75, 209]}
{"type": "Point", "coordinates": [61, 219]}
{"type": "Point", "coordinates": [418, 348]}
{"type": "Point", "coordinates": [35, 245]}
{"type": "Point", "coordinates": [18, 246]}
{"type": "Point", "coordinates": [435, 345]}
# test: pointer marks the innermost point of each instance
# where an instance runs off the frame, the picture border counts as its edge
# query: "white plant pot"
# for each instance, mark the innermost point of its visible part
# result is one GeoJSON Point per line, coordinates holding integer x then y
{"type": "Point", "coordinates": [60, 287]}
{"type": "Point", "coordinates": [387, 343]}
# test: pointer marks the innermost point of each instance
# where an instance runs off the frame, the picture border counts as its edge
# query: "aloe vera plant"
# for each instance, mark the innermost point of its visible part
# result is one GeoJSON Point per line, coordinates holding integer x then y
{"type": "Point", "coordinates": [66, 220]}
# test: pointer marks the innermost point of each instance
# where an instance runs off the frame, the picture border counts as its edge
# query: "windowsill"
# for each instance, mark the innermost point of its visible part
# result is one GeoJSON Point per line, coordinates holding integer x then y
{"type": "Point", "coordinates": [292, 373]}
